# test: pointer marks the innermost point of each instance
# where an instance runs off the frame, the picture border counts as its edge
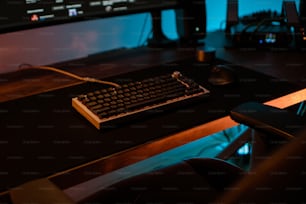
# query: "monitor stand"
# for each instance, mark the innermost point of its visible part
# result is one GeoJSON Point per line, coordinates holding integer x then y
{"type": "Point", "coordinates": [158, 39]}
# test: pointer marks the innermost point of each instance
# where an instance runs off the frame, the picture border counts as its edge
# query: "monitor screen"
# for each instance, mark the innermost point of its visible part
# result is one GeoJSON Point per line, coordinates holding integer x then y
{"type": "Point", "coordinates": [25, 14]}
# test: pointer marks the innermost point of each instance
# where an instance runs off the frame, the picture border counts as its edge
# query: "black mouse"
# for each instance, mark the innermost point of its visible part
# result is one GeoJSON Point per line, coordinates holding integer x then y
{"type": "Point", "coordinates": [221, 75]}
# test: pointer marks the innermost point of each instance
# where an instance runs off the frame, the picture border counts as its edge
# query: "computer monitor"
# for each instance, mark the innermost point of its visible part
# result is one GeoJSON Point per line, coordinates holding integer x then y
{"type": "Point", "coordinates": [88, 35]}
{"type": "Point", "coordinates": [25, 14]}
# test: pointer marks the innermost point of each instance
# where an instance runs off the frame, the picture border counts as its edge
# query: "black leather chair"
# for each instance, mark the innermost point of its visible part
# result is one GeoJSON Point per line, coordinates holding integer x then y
{"type": "Point", "coordinates": [281, 178]}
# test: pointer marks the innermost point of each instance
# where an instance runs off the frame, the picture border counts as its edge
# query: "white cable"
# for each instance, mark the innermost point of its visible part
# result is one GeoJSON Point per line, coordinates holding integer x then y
{"type": "Point", "coordinates": [87, 79]}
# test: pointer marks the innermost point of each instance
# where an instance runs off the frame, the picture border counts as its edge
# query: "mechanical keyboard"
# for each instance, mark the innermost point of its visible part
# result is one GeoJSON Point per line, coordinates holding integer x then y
{"type": "Point", "coordinates": [132, 99]}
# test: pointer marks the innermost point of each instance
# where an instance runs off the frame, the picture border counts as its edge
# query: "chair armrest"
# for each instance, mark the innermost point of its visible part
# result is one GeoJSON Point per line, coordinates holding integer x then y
{"type": "Point", "coordinates": [269, 119]}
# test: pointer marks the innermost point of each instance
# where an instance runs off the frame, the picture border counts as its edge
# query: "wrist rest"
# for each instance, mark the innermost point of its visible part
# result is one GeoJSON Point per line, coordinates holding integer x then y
{"type": "Point", "coordinates": [269, 119]}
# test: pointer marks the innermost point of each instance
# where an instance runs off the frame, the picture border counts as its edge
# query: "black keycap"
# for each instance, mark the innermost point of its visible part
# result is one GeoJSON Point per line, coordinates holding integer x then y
{"type": "Point", "coordinates": [139, 95]}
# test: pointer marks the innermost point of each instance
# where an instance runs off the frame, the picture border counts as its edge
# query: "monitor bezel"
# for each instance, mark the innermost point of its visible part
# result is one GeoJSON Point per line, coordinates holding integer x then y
{"type": "Point", "coordinates": [92, 16]}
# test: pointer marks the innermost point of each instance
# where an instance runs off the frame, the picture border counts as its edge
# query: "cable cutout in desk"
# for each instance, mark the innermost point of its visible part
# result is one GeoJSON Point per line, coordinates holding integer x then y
{"type": "Point", "coordinates": [86, 79]}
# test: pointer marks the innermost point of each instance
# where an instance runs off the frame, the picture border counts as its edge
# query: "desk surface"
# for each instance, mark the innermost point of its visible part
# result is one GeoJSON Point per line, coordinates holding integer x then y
{"type": "Point", "coordinates": [127, 151]}
{"type": "Point", "coordinates": [284, 64]}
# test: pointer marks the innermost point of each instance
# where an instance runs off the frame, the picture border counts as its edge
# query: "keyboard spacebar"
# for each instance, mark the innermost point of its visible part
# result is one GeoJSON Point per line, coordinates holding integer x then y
{"type": "Point", "coordinates": [161, 98]}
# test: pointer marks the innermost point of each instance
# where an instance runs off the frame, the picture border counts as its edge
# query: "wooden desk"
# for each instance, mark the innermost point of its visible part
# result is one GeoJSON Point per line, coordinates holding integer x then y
{"type": "Point", "coordinates": [29, 82]}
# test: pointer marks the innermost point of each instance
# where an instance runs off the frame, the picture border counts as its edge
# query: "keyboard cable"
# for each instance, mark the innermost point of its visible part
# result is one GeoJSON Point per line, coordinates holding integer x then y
{"type": "Point", "coordinates": [86, 79]}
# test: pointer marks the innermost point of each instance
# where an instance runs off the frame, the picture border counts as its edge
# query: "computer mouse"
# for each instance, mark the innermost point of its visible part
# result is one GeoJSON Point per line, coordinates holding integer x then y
{"type": "Point", "coordinates": [221, 75]}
